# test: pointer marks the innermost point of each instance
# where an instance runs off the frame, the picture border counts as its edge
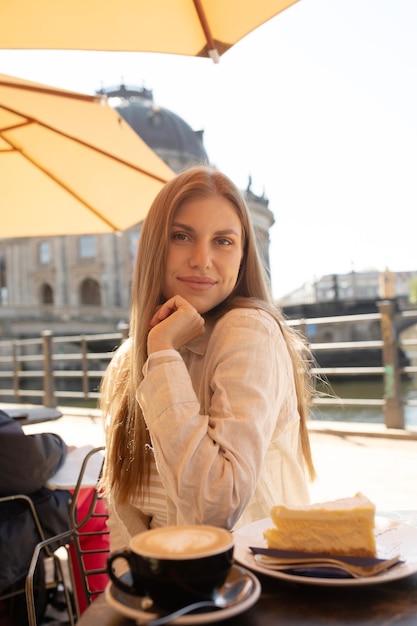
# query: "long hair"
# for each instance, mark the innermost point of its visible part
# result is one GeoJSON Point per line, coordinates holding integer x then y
{"type": "Point", "coordinates": [128, 460]}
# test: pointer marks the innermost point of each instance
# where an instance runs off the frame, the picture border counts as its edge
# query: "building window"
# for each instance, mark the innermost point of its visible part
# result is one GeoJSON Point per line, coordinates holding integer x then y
{"type": "Point", "coordinates": [90, 293]}
{"type": "Point", "coordinates": [47, 294]}
{"type": "Point", "coordinates": [87, 247]}
{"type": "Point", "coordinates": [44, 252]}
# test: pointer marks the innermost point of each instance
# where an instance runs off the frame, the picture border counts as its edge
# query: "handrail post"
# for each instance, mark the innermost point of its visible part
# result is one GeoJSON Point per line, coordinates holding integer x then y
{"type": "Point", "coordinates": [48, 384]}
{"type": "Point", "coordinates": [393, 407]}
{"type": "Point", "coordinates": [15, 365]}
{"type": "Point", "coordinates": [84, 362]}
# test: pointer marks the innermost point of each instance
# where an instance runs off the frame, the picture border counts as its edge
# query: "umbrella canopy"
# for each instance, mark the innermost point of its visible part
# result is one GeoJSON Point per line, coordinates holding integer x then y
{"type": "Point", "coordinates": [69, 164]}
{"type": "Point", "coordinates": [186, 27]}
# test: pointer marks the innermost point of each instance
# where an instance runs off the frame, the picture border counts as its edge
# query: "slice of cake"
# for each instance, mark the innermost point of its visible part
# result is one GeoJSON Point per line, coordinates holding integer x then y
{"type": "Point", "coordinates": [344, 526]}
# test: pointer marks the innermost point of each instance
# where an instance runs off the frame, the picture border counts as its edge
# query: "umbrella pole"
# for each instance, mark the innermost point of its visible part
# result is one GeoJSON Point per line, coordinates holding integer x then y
{"type": "Point", "coordinates": [211, 48]}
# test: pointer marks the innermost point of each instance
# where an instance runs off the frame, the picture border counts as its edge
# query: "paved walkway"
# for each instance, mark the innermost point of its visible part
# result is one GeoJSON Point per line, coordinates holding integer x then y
{"type": "Point", "coordinates": [349, 457]}
{"type": "Point", "coordinates": [380, 463]}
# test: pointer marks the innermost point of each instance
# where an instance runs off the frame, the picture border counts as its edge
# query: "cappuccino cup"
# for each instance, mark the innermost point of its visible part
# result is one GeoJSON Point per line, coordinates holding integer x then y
{"type": "Point", "coordinates": [175, 565]}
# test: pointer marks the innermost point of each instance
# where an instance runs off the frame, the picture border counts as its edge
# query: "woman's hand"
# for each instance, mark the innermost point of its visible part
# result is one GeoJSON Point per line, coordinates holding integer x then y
{"type": "Point", "coordinates": [175, 323]}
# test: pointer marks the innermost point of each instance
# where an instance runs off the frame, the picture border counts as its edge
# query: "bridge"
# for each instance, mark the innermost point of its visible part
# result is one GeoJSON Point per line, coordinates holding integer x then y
{"type": "Point", "coordinates": [359, 321]}
{"type": "Point", "coordinates": [333, 308]}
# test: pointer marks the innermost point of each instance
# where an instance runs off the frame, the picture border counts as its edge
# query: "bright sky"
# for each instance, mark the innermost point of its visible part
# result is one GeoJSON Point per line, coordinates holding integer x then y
{"type": "Point", "coordinates": [318, 106]}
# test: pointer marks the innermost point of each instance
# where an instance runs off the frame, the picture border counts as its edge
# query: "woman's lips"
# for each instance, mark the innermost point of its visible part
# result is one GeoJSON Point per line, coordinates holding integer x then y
{"type": "Point", "coordinates": [199, 283]}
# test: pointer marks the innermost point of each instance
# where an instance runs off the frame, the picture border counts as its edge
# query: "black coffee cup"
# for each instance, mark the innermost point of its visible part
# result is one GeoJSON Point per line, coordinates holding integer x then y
{"type": "Point", "coordinates": [175, 565]}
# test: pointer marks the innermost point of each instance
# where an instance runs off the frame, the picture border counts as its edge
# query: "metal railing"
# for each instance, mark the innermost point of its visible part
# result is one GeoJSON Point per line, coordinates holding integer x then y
{"type": "Point", "coordinates": [392, 403]}
{"type": "Point", "coordinates": [45, 369]}
{"type": "Point", "coordinates": [48, 369]}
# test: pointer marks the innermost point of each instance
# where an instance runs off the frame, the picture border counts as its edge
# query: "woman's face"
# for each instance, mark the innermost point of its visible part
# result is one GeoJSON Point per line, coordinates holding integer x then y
{"type": "Point", "coordinates": [204, 252]}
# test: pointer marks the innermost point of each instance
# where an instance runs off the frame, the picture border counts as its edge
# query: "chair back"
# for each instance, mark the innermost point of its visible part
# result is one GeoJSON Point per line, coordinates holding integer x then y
{"type": "Point", "coordinates": [91, 541]}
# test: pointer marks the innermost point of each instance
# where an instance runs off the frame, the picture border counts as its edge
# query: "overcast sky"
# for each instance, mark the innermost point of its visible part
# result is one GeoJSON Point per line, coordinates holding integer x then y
{"type": "Point", "coordinates": [318, 106]}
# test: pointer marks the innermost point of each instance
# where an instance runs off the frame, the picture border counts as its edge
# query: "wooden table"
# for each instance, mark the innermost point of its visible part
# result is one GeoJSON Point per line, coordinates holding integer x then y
{"type": "Point", "coordinates": [288, 603]}
{"type": "Point", "coordinates": [33, 416]}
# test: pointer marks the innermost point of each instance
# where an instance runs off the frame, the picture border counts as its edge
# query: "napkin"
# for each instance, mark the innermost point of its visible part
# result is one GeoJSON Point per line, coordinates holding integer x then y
{"type": "Point", "coordinates": [289, 554]}
{"type": "Point", "coordinates": [310, 569]}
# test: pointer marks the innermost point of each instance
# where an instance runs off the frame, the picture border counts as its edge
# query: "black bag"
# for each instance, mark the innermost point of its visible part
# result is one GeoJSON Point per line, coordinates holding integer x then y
{"type": "Point", "coordinates": [18, 533]}
{"type": "Point", "coordinates": [13, 611]}
{"type": "Point", "coordinates": [18, 538]}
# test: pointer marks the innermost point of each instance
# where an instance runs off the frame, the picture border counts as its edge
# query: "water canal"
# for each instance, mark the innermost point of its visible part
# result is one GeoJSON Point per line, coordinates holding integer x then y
{"type": "Point", "coordinates": [365, 389]}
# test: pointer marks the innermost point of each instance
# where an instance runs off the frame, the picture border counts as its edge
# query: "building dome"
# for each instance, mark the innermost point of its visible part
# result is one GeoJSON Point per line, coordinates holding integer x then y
{"type": "Point", "coordinates": [166, 133]}
{"type": "Point", "coordinates": [179, 146]}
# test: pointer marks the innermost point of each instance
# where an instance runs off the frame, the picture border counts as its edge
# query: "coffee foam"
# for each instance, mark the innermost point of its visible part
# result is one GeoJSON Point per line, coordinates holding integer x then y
{"type": "Point", "coordinates": [182, 542]}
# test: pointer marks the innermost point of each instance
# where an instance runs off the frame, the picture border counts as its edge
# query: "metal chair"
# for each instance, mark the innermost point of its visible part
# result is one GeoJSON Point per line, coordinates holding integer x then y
{"type": "Point", "coordinates": [91, 542]}
{"type": "Point", "coordinates": [59, 577]}
{"type": "Point", "coordinates": [47, 545]}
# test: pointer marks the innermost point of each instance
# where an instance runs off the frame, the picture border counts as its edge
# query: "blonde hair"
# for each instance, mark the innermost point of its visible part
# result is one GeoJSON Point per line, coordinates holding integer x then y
{"type": "Point", "coordinates": [128, 461]}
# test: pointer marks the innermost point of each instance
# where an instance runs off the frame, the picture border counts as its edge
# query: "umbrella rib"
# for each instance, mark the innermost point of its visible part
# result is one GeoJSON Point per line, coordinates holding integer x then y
{"type": "Point", "coordinates": [50, 91]}
{"type": "Point", "coordinates": [30, 120]}
{"type": "Point", "coordinates": [64, 186]}
{"type": "Point", "coordinates": [14, 126]}
{"type": "Point", "coordinates": [212, 50]}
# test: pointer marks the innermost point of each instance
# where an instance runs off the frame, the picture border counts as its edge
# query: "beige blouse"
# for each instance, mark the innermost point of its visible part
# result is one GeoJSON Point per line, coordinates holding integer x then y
{"type": "Point", "coordinates": [222, 415]}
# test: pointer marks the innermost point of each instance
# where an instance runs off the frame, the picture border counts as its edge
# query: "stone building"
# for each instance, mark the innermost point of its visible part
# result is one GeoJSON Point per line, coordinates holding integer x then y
{"type": "Point", "coordinates": [74, 279]}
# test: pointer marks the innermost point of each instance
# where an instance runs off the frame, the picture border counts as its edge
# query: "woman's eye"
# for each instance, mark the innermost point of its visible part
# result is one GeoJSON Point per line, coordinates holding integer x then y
{"type": "Point", "coordinates": [179, 236]}
{"type": "Point", "coordinates": [224, 242]}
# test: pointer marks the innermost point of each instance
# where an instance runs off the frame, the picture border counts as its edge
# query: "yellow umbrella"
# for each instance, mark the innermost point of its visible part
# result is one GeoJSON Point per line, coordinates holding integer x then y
{"type": "Point", "coordinates": [69, 164]}
{"type": "Point", "coordinates": [186, 27]}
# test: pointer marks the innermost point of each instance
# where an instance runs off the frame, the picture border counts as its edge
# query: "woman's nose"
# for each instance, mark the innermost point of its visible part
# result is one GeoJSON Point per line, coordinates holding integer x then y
{"type": "Point", "coordinates": [200, 257]}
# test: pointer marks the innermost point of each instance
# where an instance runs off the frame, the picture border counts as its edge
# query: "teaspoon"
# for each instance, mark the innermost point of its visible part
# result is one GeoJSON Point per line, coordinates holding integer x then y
{"type": "Point", "coordinates": [227, 595]}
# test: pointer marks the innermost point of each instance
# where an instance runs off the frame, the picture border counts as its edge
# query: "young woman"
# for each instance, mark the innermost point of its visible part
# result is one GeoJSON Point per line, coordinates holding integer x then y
{"type": "Point", "coordinates": [206, 402]}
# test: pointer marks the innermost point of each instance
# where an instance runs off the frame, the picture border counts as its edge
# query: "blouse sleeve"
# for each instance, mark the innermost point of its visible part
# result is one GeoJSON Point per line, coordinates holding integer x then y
{"type": "Point", "coordinates": [209, 449]}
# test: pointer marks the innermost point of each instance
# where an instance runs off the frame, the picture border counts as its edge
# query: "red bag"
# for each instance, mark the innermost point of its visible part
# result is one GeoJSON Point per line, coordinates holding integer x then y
{"type": "Point", "coordinates": [96, 541]}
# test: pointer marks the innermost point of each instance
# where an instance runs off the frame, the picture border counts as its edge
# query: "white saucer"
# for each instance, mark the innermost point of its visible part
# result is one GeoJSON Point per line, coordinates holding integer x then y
{"type": "Point", "coordinates": [129, 605]}
{"type": "Point", "coordinates": [391, 538]}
